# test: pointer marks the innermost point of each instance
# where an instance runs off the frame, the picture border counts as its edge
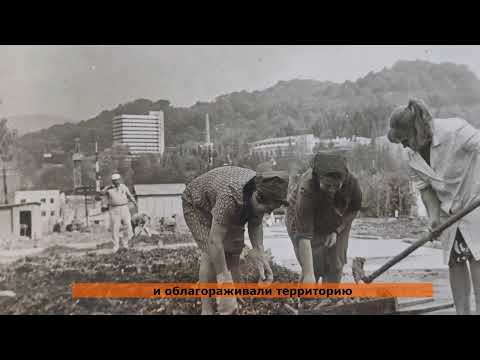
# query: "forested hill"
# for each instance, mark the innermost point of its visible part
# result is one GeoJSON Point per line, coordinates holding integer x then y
{"type": "Point", "coordinates": [328, 109]}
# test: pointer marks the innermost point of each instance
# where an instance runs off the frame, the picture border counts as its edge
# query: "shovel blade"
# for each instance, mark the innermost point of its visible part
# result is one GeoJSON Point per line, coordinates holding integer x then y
{"type": "Point", "coordinates": [358, 271]}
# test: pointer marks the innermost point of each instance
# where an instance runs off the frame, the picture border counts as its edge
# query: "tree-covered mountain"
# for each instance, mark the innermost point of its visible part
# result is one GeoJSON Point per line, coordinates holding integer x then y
{"type": "Point", "coordinates": [328, 109]}
{"type": "Point", "coordinates": [35, 122]}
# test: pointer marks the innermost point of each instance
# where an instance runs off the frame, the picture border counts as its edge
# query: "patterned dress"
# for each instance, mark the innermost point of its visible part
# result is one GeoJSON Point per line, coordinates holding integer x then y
{"type": "Point", "coordinates": [221, 195]}
{"type": "Point", "coordinates": [460, 250]}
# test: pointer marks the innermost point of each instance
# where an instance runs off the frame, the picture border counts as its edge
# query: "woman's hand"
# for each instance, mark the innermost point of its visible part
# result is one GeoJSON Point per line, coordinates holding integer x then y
{"type": "Point", "coordinates": [264, 269]}
{"type": "Point", "coordinates": [432, 205]}
{"type": "Point", "coordinates": [434, 223]}
{"type": "Point", "coordinates": [331, 240]}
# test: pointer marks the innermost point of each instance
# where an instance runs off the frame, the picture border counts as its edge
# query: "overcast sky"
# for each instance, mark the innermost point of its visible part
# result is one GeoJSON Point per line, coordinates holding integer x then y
{"type": "Point", "coordinates": [80, 81]}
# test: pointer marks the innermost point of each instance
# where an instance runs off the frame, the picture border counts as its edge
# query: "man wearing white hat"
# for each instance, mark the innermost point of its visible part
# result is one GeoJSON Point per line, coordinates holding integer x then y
{"type": "Point", "coordinates": [118, 196]}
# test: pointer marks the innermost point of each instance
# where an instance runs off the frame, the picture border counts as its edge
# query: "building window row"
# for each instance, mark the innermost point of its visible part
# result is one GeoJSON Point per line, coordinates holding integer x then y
{"type": "Point", "coordinates": [134, 127]}
{"type": "Point", "coordinates": [44, 213]}
{"type": "Point", "coordinates": [43, 200]}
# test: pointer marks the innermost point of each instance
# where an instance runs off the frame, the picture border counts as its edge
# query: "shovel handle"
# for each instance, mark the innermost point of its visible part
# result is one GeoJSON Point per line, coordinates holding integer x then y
{"type": "Point", "coordinates": [431, 235]}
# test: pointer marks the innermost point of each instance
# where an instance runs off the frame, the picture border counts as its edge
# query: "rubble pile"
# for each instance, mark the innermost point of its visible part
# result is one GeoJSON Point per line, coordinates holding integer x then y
{"type": "Point", "coordinates": [175, 238]}
{"type": "Point", "coordinates": [163, 238]}
{"type": "Point", "coordinates": [389, 229]}
{"type": "Point", "coordinates": [42, 283]}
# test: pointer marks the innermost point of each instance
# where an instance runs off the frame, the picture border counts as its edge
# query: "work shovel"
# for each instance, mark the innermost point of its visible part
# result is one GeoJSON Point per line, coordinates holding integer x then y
{"type": "Point", "coordinates": [359, 262]}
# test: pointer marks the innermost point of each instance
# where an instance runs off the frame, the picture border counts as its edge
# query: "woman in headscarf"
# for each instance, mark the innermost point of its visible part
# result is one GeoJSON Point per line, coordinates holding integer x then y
{"type": "Point", "coordinates": [323, 205]}
{"type": "Point", "coordinates": [217, 205]}
{"type": "Point", "coordinates": [444, 164]}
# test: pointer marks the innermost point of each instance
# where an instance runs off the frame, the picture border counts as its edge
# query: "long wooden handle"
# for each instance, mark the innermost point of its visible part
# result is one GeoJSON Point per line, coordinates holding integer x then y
{"type": "Point", "coordinates": [435, 232]}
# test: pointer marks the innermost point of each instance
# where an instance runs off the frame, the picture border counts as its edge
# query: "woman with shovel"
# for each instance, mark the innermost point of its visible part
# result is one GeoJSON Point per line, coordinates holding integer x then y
{"type": "Point", "coordinates": [217, 205]}
{"type": "Point", "coordinates": [323, 205]}
{"type": "Point", "coordinates": [444, 163]}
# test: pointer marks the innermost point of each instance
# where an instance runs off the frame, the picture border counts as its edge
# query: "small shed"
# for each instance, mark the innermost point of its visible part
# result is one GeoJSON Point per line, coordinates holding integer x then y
{"type": "Point", "coordinates": [21, 220]}
{"type": "Point", "coordinates": [51, 203]}
{"type": "Point", "coordinates": [161, 200]}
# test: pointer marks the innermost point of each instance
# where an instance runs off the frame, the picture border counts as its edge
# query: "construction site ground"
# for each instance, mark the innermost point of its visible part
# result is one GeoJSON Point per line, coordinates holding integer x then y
{"type": "Point", "coordinates": [378, 240]}
{"type": "Point", "coordinates": [40, 277]}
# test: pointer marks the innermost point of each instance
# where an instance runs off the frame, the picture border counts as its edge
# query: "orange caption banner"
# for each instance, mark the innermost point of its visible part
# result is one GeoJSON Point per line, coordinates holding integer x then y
{"type": "Point", "coordinates": [249, 290]}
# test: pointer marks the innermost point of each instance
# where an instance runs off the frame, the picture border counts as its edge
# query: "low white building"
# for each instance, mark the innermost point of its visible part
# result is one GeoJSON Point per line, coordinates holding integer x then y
{"type": "Point", "coordinates": [305, 144]}
{"type": "Point", "coordinates": [161, 200]}
{"type": "Point", "coordinates": [344, 142]}
{"type": "Point", "coordinates": [281, 145]}
{"type": "Point", "coordinates": [51, 205]}
{"type": "Point", "coordinates": [20, 220]}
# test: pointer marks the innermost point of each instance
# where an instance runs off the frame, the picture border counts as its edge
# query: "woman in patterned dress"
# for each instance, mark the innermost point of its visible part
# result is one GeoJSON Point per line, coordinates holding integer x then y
{"type": "Point", "coordinates": [217, 205]}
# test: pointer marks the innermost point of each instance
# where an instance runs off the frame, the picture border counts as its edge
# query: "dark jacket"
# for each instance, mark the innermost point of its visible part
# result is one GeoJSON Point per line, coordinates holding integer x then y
{"type": "Point", "coordinates": [312, 213]}
{"type": "Point", "coordinates": [312, 216]}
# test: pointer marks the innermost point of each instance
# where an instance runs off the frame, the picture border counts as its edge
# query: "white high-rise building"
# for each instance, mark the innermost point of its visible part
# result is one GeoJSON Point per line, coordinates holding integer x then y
{"type": "Point", "coordinates": [142, 133]}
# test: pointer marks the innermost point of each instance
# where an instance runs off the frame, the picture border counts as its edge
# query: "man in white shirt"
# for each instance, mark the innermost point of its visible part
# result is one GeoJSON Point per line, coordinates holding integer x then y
{"type": "Point", "coordinates": [118, 196]}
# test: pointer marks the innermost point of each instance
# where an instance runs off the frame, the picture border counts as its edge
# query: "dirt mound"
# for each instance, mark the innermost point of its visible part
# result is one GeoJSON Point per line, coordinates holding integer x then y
{"type": "Point", "coordinates": [59, 249]}
{"type": "Point", "coordinates": [381, 228]}
{"type": "Point", "coordinates": [42, 283]}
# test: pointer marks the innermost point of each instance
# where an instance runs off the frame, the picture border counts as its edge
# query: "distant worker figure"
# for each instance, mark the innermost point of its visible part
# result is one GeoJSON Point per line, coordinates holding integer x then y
{"type": "Point", "coordinates": [141, 223]}
{"type": "Point", "coordinates": [171, 223]}
{"type": "Point", "coordinates": [162, 224]}
{"type": "Point", "coordinates": [57, 227]}
{"type": "Point", "coordinates": [118, 196]}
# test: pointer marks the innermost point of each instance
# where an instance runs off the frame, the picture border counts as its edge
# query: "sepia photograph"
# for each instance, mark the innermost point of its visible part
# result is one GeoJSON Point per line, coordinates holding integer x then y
{"type": "Point", "coordinates": [240, 180]}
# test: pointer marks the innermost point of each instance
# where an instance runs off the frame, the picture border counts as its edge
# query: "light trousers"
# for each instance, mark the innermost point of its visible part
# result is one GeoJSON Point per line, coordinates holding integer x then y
{"type": "Point", "coordinates": [118, 215]}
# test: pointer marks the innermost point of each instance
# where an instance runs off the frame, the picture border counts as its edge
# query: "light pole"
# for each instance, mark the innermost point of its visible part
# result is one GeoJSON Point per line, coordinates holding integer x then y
{"type": "Point", "coordinates": [4, 173]}
{"type": "Point", "coordinates": [5, 189]}
{"type": "Point", "coordinates": [6, 154]}
{"type": "Point", "coordinates": [85, 190]}
{"type": "Point", "coordinates": [97, 167]}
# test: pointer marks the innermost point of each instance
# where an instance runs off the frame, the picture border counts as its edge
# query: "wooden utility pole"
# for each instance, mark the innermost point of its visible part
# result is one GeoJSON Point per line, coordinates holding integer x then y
{"type": "Point", "coordinates": [5, 179]}
{"type": "Point", "coordinates": [387, 200]}
{"type": "Point", "coordinates": [208, 142]}
{"type": "Point", "coordinates": [379, 184]}
{"type": "Point", "coordinates": [399, 200]}
{"type": "Point", "coordinates": [97, 168]}
{"type": "Point", "coordinates": [378, 203]}
{"type": "Point", "coordinates": [5, 189]}
{"type": "Point", "coordinates": [85, 190]}
{"type": "Point", "coordinates": [77, 158]}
